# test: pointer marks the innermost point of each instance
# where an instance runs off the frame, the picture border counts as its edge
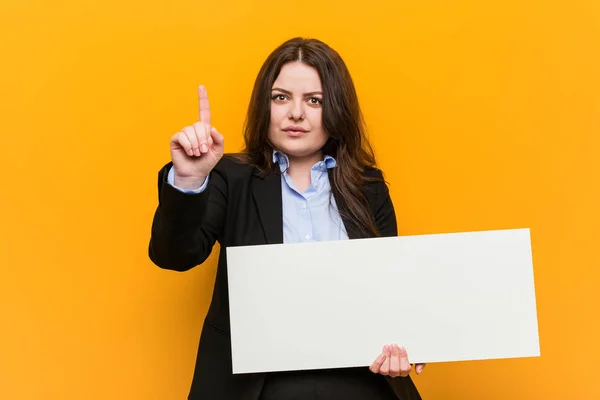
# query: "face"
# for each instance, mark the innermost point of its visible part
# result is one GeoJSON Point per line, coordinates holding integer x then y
{"type": "Point", "coordinates": [296, 112]}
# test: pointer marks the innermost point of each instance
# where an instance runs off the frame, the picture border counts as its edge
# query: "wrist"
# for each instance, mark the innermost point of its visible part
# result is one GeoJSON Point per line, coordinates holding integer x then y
{"type": "Point", "coordinates": [189, 183]}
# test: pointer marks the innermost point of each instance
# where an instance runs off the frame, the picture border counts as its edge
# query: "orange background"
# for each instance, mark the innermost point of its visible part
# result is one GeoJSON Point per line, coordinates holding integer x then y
{"type": "Point", "coordinates": [485, 115]}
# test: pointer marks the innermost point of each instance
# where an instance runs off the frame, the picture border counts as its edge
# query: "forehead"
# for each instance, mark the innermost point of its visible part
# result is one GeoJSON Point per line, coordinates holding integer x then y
{"type": "Point", "coordinates": [296, 76]}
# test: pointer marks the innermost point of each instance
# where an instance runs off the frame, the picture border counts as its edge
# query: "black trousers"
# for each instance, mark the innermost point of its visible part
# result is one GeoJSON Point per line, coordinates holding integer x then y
{"type": "Point", "coordinates": [331, 384]}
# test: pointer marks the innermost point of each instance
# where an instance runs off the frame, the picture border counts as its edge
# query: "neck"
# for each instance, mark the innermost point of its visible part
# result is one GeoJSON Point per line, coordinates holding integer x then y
{"type": "Point", "coordinates": [305, 163]}
{"type": "Point", "coordinates": [299, 169]}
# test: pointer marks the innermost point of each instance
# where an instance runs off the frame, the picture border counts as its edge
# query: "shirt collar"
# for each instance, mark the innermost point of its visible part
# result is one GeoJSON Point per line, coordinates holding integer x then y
{"type": "Point", "coordinates": [284, 162]}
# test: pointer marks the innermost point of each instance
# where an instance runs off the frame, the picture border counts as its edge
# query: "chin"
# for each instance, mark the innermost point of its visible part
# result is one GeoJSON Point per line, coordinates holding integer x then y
{"type": "Point", "coordinates": [297, 149]}
{"type": "Point", "coordinates": [303, 146]}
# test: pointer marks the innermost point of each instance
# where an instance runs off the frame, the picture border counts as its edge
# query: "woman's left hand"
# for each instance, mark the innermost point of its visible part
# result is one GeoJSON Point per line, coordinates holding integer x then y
{"type": "Point", "coordinates": [393, 361]}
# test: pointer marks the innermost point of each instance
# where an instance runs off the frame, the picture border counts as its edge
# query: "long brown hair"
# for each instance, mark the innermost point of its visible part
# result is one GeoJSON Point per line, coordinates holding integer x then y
{"type": "Point", "coordinates": [342, 120]}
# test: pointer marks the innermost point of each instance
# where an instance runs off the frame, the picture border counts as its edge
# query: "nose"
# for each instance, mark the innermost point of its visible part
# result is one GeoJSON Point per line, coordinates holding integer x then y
{"type": "Point", "coordinates": [296, 111]}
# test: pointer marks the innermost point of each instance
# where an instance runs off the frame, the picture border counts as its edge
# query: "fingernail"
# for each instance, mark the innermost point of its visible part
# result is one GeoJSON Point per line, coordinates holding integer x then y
{"type": "Point", "coordinates": [204, 148]}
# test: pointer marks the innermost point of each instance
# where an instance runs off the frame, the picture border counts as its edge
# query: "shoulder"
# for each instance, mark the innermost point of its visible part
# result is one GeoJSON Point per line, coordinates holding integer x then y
{"type": "Point", "coordinates": [374, 181]}
{"type": "Point", "coordinates": [373, 173]}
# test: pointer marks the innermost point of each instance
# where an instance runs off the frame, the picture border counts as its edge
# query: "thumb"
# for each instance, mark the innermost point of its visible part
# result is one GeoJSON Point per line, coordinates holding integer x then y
{"type": "Point", "coordinates": [217, 138]}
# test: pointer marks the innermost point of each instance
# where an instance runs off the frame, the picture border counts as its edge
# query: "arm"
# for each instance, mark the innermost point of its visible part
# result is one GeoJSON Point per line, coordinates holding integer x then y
{"type": "Point", "coordinates": [186, 226]}
{"type": "Point", "coordinates": [393, 361]}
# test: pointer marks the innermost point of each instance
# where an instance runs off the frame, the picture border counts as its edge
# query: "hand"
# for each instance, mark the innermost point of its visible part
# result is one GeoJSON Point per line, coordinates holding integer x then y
{"type": "Point", "coordinates": [393, 361]}
{"type": "Point", "coordinates": [196, 149]}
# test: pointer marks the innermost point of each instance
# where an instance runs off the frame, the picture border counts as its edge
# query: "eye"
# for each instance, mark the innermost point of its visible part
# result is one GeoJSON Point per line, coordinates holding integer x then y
{"type": "Point", "coordinates": [279, 97]}
{"type": "Point", "coordinates": [315, 100]}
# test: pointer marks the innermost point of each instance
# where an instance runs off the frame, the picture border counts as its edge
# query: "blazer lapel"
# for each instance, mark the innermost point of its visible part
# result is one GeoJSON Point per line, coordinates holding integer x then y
{"type": "Point", "coordinates": [266, 191]}
{"type": "Point", "coordinates": [267, 196]}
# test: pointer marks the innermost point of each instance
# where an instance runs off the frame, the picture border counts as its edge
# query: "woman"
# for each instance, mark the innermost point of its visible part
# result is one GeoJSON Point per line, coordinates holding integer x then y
{"type": "Point", "coordinates": [307, 173]}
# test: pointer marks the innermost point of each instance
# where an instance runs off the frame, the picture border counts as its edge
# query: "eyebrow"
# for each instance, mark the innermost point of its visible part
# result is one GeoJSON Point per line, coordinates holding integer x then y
{"type": "Point", "coordinates": [288, 92]}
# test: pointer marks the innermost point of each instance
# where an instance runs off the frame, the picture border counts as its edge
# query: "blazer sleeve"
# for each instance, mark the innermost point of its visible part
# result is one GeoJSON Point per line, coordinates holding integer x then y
{"type": "Point", "coordinates": [385, 219]}
{"type": "Point", "coordinates": [186, 226]}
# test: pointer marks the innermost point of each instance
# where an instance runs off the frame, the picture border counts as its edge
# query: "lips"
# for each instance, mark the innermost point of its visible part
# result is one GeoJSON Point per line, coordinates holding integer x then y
{"type": "Point", "coordinates": [294, 133]}
{"type": "Point", "coordinates": [294, 130]}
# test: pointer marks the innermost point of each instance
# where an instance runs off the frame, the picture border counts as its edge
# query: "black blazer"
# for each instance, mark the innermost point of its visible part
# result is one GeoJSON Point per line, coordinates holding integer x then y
{"type": "Point", "coordinates": [238, 207]}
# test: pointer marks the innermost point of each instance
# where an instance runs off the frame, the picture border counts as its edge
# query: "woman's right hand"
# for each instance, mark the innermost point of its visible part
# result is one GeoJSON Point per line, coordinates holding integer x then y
{"type": "Point", "coordinates": [196, 149]}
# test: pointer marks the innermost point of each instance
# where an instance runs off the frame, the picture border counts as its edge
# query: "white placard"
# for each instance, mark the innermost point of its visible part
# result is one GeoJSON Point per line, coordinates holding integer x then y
{"type": "Point", "coordinates": [445, 297]}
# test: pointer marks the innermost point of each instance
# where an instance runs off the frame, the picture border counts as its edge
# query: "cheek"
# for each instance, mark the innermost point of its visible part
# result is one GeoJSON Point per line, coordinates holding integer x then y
{"type": "Point", "coordinates": [278, 113]}
{"type": "Point", "coordinates": [315, 116]}
{"type": "Point", "coordinates": [275, 123]}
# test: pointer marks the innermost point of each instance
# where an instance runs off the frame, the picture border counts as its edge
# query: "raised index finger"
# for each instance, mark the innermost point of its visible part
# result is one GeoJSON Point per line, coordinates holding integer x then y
{"type": "Point", "coordinates": [204, 105]}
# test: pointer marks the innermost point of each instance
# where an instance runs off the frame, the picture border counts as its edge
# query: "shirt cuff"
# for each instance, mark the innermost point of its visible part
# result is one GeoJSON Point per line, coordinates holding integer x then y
{"type": "Point", "coordinates": [171, 181]}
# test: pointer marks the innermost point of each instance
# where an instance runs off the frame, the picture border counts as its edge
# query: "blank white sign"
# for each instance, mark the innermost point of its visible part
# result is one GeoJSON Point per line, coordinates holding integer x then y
{"type": "Point", "coordinates": [445, 297]}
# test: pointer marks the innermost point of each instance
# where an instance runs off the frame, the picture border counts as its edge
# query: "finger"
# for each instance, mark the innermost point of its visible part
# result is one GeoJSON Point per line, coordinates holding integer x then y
{"type": "Point", "coordinates": [208, 139]}
{"type": "Point", "coordinates": [385, 365]}
{"type": "Point", "coordinates": [217, 138]}
{"type": "Point", "coordinates": [377, 363]}
{"type": "Point", "coordinates": [376, 366]}
{"type": "Point", "coordinates": [202, 135]}
{"type": "Point", "coordinates": [204, 105]}
{"type": "Point", "coordinates": [419, 368]}
{"type": "Point", "coordinates": [395, 361]}
{"type": "Point", "coordinates": [405, 366]}
{"type": "Point", "coordinates": [190, 133]}
{"type": "Point", "coordinates": [184, 142]}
